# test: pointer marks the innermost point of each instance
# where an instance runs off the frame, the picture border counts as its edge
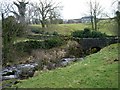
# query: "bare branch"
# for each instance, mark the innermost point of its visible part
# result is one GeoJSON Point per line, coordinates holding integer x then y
{"type": "Point", "coordinates": [44, 8]}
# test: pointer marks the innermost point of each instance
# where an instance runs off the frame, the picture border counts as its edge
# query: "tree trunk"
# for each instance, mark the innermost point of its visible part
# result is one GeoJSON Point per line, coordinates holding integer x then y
{"type": "Point", "coordinates": [2, 21]}
{"type": "Point", "coordinates": [91, 13]}
{"type": "Point", "coordinates": [119, 29]}
{"type": "Point", "coordinates": [118, 21]}
{"type": "Point", "coordinates": [22, 19]}
{"type": "Point", "coordinates": [92, 22]}
{"type": "Point", "coordinates": [43, 24]}
{"type": "Point", "coordinates": [95, 20]}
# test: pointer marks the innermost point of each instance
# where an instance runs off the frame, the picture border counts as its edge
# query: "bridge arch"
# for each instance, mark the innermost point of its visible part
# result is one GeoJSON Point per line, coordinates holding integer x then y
{"type": "Point", "coordinates": [95, 49]}
{"type": "Point", "coordinates": [92, 50]}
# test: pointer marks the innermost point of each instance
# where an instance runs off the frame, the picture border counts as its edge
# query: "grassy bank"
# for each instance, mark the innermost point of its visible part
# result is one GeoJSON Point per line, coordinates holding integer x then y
{"type": "Point", "coordinates": [99, 70]}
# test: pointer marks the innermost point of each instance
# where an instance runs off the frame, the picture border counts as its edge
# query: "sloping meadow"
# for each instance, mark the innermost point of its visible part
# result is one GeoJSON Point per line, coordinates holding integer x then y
{"type": "Point", "coordinates": [99, 70]}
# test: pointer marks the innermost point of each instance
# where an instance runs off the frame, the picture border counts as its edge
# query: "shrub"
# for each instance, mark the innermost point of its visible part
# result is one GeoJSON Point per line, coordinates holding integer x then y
{"type": "Point", "coordinates": [47, 44]}
{"type": "Point", "coordinates": [47, 33]}
{"type": "Point", "coordinates": [53, 42]}
{"type": "Point", "coordinates": [86, 33]}
{"type": "Point", "coordinates": [37, 31]}
{"type": "Point", "coordinates": [98, 34]}
{"type": "Point", "coordinates": [11, 29]}
{"type": "Point", "coordinates": [28, 45]}
{"type": "Point", "coordinates": [55, 33]}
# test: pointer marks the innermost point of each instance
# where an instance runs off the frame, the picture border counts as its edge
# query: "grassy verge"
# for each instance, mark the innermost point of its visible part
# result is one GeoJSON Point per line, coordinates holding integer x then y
{"type": "Point", "coordinates": [99, 70]}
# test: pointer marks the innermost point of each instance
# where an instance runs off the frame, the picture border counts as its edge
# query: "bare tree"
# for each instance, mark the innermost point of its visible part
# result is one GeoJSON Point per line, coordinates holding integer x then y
{"type": "Point", "coordinates": [21, 5]}
{"type": "Point", "coordinates": [30, 11]}
{"type": "Point", "coordinates": [4, 8]}
{"type": "Point", "coordinates": [32, 15]}
{"type": "Point", "coordinates": [95, 10]}
{"type": "Point", "coordinates": [116, 5]}
{"type": "Point", "coordinates": [118, 18]}
{"type": "Point", "coordinates": [119, 6]}
{"type": "Point", "coordinates": [54, 16]}
{"type": "Point", "coordinates": [4, 11]}
{"type": "Point", "coordinates": [45, 10]}
{"type": "Point", "coordinates": [91, 14]}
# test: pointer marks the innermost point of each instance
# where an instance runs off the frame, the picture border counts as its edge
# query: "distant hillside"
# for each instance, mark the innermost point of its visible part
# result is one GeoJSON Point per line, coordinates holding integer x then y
{"type": "Point", "coordinates": [105, 26]}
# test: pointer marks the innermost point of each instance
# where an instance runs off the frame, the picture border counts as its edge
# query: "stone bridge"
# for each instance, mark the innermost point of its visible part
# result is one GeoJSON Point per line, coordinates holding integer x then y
{"type": "Point", "coordinates": [98, 43]}
{"type": "Point", "coordinates": [87, 43]}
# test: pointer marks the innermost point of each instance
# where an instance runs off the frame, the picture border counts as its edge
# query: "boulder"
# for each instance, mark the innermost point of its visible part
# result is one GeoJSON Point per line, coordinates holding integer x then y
{"type": "Point", "coordinates": [36, 73]}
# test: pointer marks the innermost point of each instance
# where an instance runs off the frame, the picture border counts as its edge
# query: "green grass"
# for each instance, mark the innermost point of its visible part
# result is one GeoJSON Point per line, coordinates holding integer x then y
{"type": "Point", "coordinates": [23, 39]}
{"type": "Point", "coordinates": [8, 83]}
{"type": "Point", "coordinates": [108, 26]}
{"type": "Point", "coordinates": [105, 26]}
{"type": "Point", "coordinates": [66, 29]}
{"type": "Point", "coordinates": [97, 70]}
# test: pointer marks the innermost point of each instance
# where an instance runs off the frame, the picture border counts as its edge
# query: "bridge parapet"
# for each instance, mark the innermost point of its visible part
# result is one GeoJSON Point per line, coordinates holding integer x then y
{"type": "Point", "coordinates": [87, 43]}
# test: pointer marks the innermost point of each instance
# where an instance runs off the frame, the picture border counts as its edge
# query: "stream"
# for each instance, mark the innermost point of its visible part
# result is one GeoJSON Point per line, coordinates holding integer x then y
{"type": "Point", "coordinates": [23, 71]}
{"type": "Point", "coordinates": [17, 71]}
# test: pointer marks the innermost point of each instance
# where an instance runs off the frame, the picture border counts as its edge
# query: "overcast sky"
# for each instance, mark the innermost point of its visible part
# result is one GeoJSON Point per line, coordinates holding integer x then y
{"type": "Point", "coordinates": [79, 8]}
{"type": "Point", "coordinates": [73, 9]}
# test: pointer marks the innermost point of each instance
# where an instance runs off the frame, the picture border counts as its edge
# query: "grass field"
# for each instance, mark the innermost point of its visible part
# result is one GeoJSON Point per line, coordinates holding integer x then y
{"type": "Point", "coordinates": [66, 29]}
{"type": "Point", "coordinates": [99, 70]}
